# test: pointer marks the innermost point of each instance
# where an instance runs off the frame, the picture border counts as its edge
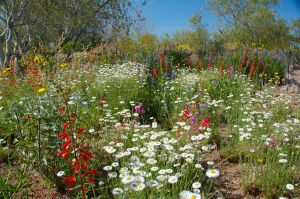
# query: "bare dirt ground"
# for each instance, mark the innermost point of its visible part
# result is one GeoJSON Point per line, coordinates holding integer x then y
{"type": "Point", "coordinates": [294, 78]}
{"type": "Point", "coordinates": [228, 184]}
{"type": "Point", "coordinates": [37, 187]}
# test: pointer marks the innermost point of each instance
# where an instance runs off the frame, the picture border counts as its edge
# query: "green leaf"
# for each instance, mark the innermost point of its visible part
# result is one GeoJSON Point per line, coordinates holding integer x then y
{"type": "Point", "coordinates": [52, 140]}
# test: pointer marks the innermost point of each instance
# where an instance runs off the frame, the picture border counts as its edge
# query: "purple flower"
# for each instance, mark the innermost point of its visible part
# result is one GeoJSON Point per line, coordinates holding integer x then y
{"type": "Point", "coordinates": [231, 72]}
{"type": "Point", "coordinates": [173, 75]}
{"type": "Point", "coordinates": [272, 143]}
{"type": "Point", "coordinates": [216, 82]}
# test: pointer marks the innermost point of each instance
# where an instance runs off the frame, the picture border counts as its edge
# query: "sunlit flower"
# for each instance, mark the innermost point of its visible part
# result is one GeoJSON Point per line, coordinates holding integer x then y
{"type": "Point", "coordinates": [60, 173]}
{"type": "Point", "coordinates": [184, 194]}
{"type": "Point", "coordinates": [212, 173]}
{"type": "Point", "coordinates": [173, 179]}
{"type": "Point", "coordinates": [282, 160]}
{"type": "Point", "coordinates": [152, 183]}
{"type": "Point", "coordinates": [41, 90]}
{"type": "Point", "coordinates": [196, 185]}
{"type": "Point", "coordinates": [127, 179]}
{"type": "Point", "coordinates": [117, 191]}
{"type": "Point", "coordinates": [290, 187]}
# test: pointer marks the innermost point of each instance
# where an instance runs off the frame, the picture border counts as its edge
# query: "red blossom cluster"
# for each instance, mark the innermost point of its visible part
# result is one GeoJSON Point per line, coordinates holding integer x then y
{"type": "Point", "coordinates": [191, 115]}
{"type": "Point", "coordinates": [77, 156]}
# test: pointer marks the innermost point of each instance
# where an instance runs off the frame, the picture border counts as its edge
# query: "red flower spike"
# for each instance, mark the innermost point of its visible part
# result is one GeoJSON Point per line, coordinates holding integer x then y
{"type": "Point", "coordinates": [76, 170]}
{"type": "Point", "coordinates": [178, 133]}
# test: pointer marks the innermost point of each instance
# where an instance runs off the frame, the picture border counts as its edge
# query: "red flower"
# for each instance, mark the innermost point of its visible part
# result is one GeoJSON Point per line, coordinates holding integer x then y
{"type": "Point", "coordinates": [68, 139]}
{"type": "Point", "coordinates": [62, 134]}
{"type": "Point", "coordinates": [161, 60]}
{"type": "Point", "coordinates": [61, 108]}
{"type": "Point", "coordinates": [93, 172]}
{"type": "Point", "coordinates": [178, 133]}
{"type": "Point", "coordinates": [252, 69]}
{"type": "Point", "coordinates": [76, 170]}
{"type": "Point", "coordinates": [91, 180]}
{"type": "Point", "coordinates": [186, 112]}
{"type": "Point", "coordinates": [65, 146]}
{"type": "Point", "coordinates": [71, 180]}
{"type": "Point", "coordinates": [84, 166]}
{"type": "Point", "coordinates": [66, 126]}
{"type": "Point", "coordinates": [73, 114]}
{"type": "Point", "coordinates": [154, 73]}
{"type": "Point", "coordinates": [206, 122]}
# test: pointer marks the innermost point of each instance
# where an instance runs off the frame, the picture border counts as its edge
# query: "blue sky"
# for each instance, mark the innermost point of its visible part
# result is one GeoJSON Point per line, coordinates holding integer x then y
{"type": "Point", "coordinates": [170, 15]}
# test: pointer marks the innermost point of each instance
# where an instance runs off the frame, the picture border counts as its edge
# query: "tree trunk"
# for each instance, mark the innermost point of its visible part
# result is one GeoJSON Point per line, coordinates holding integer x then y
{"type": "Point", "coordinates": [8, 47]}
{"type": "Point", "coordinates": [1, 52]}
{"type": "Point", "coordinates": [17, 57]}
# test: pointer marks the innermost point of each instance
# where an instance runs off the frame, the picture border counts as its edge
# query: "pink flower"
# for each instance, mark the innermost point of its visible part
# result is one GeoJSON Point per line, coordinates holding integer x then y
{"type": "Point", "coordinates": [139, 108]}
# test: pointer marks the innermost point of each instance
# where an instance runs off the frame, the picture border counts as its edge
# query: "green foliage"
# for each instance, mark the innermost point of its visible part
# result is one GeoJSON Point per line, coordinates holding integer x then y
{"type": "Point", "coordinates": [252, 23]}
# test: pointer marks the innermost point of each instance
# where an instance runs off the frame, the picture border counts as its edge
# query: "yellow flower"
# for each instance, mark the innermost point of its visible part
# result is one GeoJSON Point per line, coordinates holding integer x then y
{"type": "Point", "coordinates": [184, 47]}
{"type": "Point", "coordinates": [260, 161]}
{"type": "Point", "coordinates": [39, 59]}
{"type": "Point", "coordinates": [64, 65]}
{"type": "Point", "coordinates": [41, 90]}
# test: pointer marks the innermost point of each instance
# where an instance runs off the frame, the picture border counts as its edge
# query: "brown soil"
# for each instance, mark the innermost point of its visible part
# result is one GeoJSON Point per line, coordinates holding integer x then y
{"type": "Point", "coordinates": [229, 183]}
{"type": "Point", "coordinates": [37, 187]}
{"type": "Point", "coordinates": [295, 79]}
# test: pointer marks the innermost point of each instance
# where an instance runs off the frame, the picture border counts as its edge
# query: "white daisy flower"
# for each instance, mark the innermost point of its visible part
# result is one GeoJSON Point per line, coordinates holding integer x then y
{"type": "Point", "coordinates": [117, 191]}
{"type": "Point", "coordinates": [127, 179]}
{"type": "Point", "coordinates": [196, 185]}
{"type": "Point", "coordinates": [140, 187]}
{"type": "Point", "coordinates": [152, 183]}
{"type": "Point", "coordinates": [151, 161]}
{"type": "Point", "coordinates": [173, 179]}
{"type": "Point", "coordinates": [282, 160]}
{"type": "Point", "coordinates": [290, 187]}
{"type": "Point", "coordinates": [212, 173]}
{"type": "Point", "coordinates": [60, 174]}
{"type": "Point", "coordinates": [107, 168]}
{"type": "Point", "coordinates": [184, 194]}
